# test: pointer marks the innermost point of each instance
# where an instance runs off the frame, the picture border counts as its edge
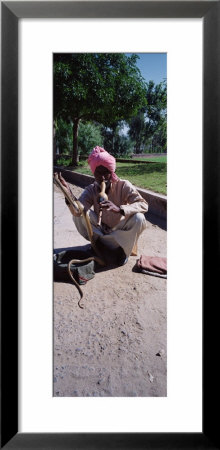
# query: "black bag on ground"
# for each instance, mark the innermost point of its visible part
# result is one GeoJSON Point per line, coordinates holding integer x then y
{"type": "Point", "coordinates": [82, 271]}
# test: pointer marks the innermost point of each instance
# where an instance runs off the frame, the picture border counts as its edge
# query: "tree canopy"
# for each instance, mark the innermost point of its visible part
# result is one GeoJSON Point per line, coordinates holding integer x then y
{"type": "Point", "coordinates": [149, 126]}
{"type": "Point", "coordinates": [101, 87]}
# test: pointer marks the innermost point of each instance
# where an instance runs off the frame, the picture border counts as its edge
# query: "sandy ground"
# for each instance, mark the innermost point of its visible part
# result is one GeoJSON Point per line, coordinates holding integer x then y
{"type": "Point", "coordinates": [116, 345]}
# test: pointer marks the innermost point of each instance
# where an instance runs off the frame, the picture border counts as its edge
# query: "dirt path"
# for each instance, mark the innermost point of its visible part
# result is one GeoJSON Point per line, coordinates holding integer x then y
{"type": "Point", "coordinates": [116, 345]}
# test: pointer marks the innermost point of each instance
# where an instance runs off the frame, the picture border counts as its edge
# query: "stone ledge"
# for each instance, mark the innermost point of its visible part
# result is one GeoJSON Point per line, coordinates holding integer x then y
{"type": "Point", "coordinates": [135, 161]}
{"type": "Point", "coordinates": [157, 202]}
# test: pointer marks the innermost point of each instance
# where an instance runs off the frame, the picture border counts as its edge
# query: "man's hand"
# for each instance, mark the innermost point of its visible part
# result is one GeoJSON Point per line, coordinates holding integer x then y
{"type": "Point", "coordinates": [110, 206]}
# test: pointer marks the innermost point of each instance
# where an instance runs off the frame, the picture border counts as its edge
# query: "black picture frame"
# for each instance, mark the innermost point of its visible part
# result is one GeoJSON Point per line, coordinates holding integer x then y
{"type": "Point", "coordinates": [11, 12]}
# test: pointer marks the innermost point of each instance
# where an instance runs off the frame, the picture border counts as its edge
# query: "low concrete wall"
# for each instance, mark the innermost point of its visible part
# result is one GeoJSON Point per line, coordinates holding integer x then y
{"type": "Point", "coordinates": [157, 202]}
{"type": "Point", "coordinates": [135, 161]}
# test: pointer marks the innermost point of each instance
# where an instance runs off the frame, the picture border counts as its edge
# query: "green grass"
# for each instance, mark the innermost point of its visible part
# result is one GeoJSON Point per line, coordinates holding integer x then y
{"type": "Point", "coordinates": [162, 159]}
{"type": "Point", "coordinates": [146, 176]}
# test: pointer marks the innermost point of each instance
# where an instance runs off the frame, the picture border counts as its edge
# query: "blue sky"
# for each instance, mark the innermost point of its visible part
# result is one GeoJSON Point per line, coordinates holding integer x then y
{"type": "Point", "coordinates": [153, 66]}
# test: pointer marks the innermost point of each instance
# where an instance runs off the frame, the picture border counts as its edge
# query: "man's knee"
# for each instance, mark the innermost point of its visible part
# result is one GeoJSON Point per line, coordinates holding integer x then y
{"type": "Point", "coordinates": [136, 221]}
{"type": "Point", "coordinates": [140, 220]}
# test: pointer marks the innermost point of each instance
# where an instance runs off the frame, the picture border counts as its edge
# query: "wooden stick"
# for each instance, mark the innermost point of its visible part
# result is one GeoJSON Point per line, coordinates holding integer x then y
{"type": "Point", "coordinates": [68, 195]}
{"type": "Point", "coordinates": [79, 208]}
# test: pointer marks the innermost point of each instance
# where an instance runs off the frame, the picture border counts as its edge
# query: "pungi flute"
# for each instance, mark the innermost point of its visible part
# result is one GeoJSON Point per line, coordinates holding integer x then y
{"type": "Point", "coordinates": [102, 196]}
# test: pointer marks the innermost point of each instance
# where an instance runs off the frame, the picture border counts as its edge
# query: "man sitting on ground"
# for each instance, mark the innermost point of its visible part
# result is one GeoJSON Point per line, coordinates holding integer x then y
{"type": "Point", "coordinates": [122, 219]}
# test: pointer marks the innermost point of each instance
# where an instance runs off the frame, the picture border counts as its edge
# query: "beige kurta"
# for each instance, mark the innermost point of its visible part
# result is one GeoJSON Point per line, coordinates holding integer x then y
{"type": "Point", "coordinates": [122, 193]}
{"type": "Point", "coordinates": [125, 229]}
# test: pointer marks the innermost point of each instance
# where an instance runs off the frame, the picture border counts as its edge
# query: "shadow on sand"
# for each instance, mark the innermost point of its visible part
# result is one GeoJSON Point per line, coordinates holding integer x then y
{"type": "Point", "coordinates": [156, 220]}
{"type": "Point", "coordinates": [82, 252]}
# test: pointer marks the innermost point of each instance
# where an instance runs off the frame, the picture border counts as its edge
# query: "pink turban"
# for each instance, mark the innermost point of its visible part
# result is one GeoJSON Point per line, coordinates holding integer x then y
{"type": "Point", "coordinates": [100, 157]}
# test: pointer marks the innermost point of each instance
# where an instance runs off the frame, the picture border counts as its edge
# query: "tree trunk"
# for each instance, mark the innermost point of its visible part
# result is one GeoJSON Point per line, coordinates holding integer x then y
{"type": "Point", "coordinates": [75, 156]}
{"type": "Point", "coordinates": [113, 138]}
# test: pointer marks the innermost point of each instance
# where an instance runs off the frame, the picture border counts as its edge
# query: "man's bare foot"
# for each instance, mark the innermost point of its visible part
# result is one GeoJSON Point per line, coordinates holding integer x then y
{"type": "Point", "coordinates": [134, 250]}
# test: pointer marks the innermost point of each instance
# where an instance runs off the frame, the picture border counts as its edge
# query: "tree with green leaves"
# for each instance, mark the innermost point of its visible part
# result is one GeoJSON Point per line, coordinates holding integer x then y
{"type": "Point", "coordinates": [149, 126]}
{"type": "Point", "coordinates": [137, 131]}
{"type": "Point", "coordinates": [89, 136]}
{"type": "Point", "coordinates": [122, 144]}
{"type": "Point", "coordinates": [156, 111]}
{"type": "Point", "coordinates": [101, 87]}
{"type": "Point", "coordinates": [63, 135]}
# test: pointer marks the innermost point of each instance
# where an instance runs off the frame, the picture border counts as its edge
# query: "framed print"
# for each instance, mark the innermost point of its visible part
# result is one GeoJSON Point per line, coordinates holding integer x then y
{"type": "Point", "coordinates": [12, 436]}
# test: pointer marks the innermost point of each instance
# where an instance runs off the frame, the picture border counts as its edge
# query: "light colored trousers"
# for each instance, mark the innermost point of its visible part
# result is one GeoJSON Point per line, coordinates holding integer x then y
{"type": "Point", "coordinates": [124, 235]}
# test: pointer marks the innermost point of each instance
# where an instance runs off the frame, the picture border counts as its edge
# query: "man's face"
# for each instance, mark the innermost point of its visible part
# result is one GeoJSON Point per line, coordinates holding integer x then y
{"type": "Point", "coordinates": [102, 174]}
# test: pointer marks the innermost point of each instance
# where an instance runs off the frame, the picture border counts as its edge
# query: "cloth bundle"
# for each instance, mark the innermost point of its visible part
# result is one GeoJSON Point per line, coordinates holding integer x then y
{"type": "Point", "coordinates": [152, 265]}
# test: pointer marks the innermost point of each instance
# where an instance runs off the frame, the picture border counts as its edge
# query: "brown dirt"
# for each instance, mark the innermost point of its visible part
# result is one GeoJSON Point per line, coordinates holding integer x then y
{"type": "Point", "coordinates": [116, 345]}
